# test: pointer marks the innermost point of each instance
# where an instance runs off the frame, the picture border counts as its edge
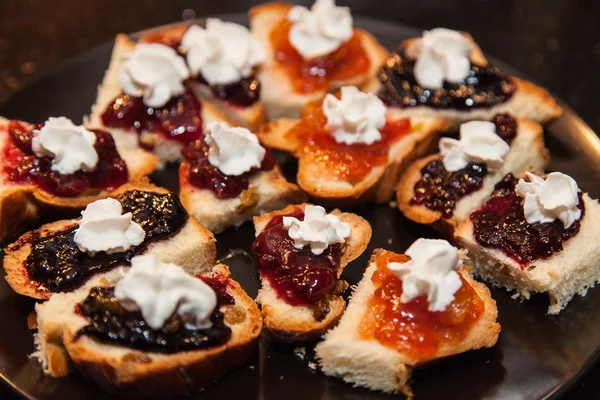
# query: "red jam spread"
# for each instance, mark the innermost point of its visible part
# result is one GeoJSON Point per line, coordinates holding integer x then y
{"type": "Point", "coordinates": [199, 172]}
{"type": "Point", "coordinates": [410, 327]}
{"type": "Point", "coordinates": [439, 190]}
{"type": "Point", "coordinates": [308, 76]}
{"type": "Point", "coordinates": [346, 162]}
{"type": "Point", "coordinates": [500, 224]}
{"type": "Point", "coordinates": [22, 166]}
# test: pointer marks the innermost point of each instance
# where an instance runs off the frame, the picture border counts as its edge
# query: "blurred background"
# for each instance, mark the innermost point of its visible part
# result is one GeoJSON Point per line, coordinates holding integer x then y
{"type": "Point", "coordinates": [555, 42]}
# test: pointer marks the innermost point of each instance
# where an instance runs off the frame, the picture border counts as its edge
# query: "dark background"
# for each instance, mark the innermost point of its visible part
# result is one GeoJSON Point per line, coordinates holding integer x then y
{"type": "Point", "coordinates": [557, 42]}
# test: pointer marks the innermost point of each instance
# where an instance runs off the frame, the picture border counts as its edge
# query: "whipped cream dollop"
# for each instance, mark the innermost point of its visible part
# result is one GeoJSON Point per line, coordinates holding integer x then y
{"type": "Point", "coordinates": [154, 72]}
{"type": "Point", "coordinates": [104, 227]}
{"type": "Point", "coordinates": [441, 55]}
{"type": "Point", "coordinates": [71, 147]}
{"type": "Point", "coordinates": [318, 230]}
{"type": "Point", "coordinates": [478, 143]}
{"type": "Point", "coordinates": [233, 150]}
{"type": "Point", "coordinates": [158, 290]}
{"type": "Point", "coordinates": [320, 30]}
{"type": "Point", "coordinates": [356, 117]}
{"type": "Point", "coordinates": [223, 52]}
{"type": "Point", "coordinates": [557, 196]}
{"type": "Point", "coordinates": [431, 272]}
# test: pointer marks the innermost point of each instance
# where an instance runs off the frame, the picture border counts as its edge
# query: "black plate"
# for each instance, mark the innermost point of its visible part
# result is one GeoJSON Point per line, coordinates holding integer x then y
{"type": "Point", "coordinates": [536, 356]}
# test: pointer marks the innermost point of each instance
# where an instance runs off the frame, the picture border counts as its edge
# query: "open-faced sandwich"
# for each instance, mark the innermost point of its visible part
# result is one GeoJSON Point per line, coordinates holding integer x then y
{"type": "Point", "coordinates": [300, 254]}
{"type": "Point", "coordinates": [406, 311]}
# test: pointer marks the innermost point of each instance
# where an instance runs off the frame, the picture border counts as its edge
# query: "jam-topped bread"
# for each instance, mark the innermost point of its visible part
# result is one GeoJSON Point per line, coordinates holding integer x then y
{"type": "Point", "coordinates": [135, 339]}
{"type": "Point", "coordinates": [137, 219]}
{"type": "Point", "coordinates": [350, 147]}
{"type": "Point", "coordinates": [443, 189]}
{"type": "Point", "coordinates": [536, 235]}
{"type": "Point", "coordinates": [444, 74]}
{"type": "Point", "coordinates": [310, 53]}
{"type": "Point", "coordinates": [59, 166]}
{"type": "Point", "coordinates": [300, 254]}
{"type": "Point", "coordinates": [406, 311]}
{"type": "Point", "coordinates": [228, 177]}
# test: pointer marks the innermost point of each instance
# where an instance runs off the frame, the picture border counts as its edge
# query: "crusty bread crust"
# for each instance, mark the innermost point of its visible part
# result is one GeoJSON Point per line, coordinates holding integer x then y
{"type": "Point", "coordinates": [288, 323]}
{"type": "Point", "coordinates": [277, 92]}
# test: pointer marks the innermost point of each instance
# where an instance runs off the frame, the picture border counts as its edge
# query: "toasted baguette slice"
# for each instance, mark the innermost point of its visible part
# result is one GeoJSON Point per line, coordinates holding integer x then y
{"type": "Point", "coordinates": [366, 362]}
{"type": "Point", "coordinates": [527, 151]}
{"type": "Point", "coordinates": [289, 323]}
{"type": "Point", "coordinates": [134, 373]}
{"type": "Point", "coordinates": [21, 205]}
{"type": "Point", "coordinates": [192, 247]}
{"type": "Point", "coordinates": [277, 92]}
{"type": "Point", "coordinates": [379, 184]}
{"type": "Point", "coordinates": [566, 273]}
{"type": "Point", "coordinates": [167, 150]}
{"type": "Point", "coordinates": [529, 100]}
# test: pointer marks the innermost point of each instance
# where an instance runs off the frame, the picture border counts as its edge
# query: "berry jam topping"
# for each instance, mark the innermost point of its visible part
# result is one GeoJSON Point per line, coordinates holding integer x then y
{"type": "Point", "coordinates": [56, 264]}
{"type": "Point", "coordinates": [485, 86]}
{"type": "Point", "coordinates": [439, 190]}
{"type": "Point", "coordinates": [347, 162]}
{"type": "Point", "coordinates": [180, 119]}
{"type": "Point", "coordinates": [202, 174]}
{"type": "Point", "coordinates": [111, 323]}
{"type": "Point", "coordinates": [22, 166]}
{"type": "Point", "coordinates": [308, 76]}
{"type": "Point", "coordinates": [242, 93]}
{"type": "Point", "coordinates": [297, 275]}
{"type": "Point", "coordinates": [500, 224]}
{"type": "Point", "coordinates": [410, 327]}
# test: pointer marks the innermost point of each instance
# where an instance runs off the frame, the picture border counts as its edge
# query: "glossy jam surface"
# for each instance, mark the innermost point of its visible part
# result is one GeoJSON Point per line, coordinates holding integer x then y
{"type": "Point", "coordinates": [308, 76]}
{"type": "Point", "coordinates": [410, 327]}
{"type": "Point", "coordinates": [297, 275]}
{"type": "Point", "coordinates": [202, 174]}
{"type": "Point", "coordinates": [500, 224]}
{"type": "Point", "coordinates": [22, 166]}
{"type": "Point", "coordinates": [56, 264]}
{"type": "Point", "coordinates": [180, 119]}
{"type": "Point", "coordinates": [483, 87]}
{"type": "Point", "coordinates": [109, 322]}
{"type": "Point", "coordinates": [349, 163]}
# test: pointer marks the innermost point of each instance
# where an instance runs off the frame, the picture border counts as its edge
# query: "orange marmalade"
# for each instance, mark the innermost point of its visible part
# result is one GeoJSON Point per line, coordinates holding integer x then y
{"type": "Point", "coordinates": [410, 327]}
{"type": "Point", "coordinates": [346, 162]}
{"type": "Point", "coordinates": [308, 76]}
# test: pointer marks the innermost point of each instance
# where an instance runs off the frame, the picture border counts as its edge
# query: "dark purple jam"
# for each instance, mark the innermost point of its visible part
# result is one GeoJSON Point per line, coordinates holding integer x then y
{"type": "Point", "coordinates": [242, 93]}
{"type": "Point", "coordinates": [110, 323]}
{"type": "Point", "coordinates": [500, 224]}
{"type": "Point", "coordinates": [56, 264]}
{"type": "Point", "coordinates": [22, 166]}
{"type": "Point", "coordinates": [202, 174]}
{"type": "Point", "coordinates": [484, 87]}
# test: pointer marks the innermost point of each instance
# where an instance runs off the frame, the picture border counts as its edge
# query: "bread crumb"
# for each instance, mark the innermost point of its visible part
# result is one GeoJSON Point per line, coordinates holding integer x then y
{"type": "Point", "coordinates": [389, 241]}
{"type": "Point", "coordinates": [393, 204]}
{"type": "Point", "coordinates": [281, 378]}
{"type": "Point", "coordinates": [312, 365]}
{"type": "Point", "coordinates": [300, 352]}
{"type": "Point", "coordinates": [251, 367]}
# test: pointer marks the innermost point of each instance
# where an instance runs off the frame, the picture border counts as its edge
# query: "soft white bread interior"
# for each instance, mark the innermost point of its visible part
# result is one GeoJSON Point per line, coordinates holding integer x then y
{"type": "Point", "coordinates": [192, 248]}
{"type": "Point", "coordinates": [142, 374]}
{"type": "Point", "coordinates": [289, 323]}
{"type": "Point", "coordinates": [527, 151]}
{"type": "Point", "coordinates": [566, 273]}
{"type": "Point", "coordinates": [277, 91]}
{"type": "Point", "coordinates": [346, 354]}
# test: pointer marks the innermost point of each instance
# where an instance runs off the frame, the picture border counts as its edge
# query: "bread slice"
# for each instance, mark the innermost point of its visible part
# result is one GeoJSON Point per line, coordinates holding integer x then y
{"type": "Point", "coordinates": [193, 247]}
{"type": "Point", "coordinates": [529, 101]}
{"type": "Point", "coordinates": [277, 92]}
{"type": "Point", "coordinates": [527, 151]}
{"type": "Point", "coordinates": [366, 362]}
{"type": "Point", "coordinates": [379, 185]}
{"type": "Point", "coordinates": [566, 273]}
{"type": "Point", "coordinates": [167, 150]}
{"type": "Point", "coordinates": [288, 323]}
{"type": "Point", "coordinates": [21, 205]}
{"type": "Point", "coordinates": [134, 373]}
{"type": "Point", "coordinates": [267, 191]}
